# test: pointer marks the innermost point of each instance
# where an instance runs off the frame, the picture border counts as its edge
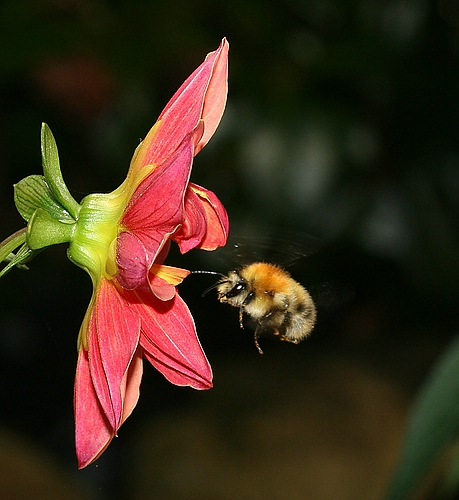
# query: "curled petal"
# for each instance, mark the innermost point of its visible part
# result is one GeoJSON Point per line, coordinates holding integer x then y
{"type": "Point", "coordinates": [173, 275]}
{"type": "Point", "coordinates": [202, 96]}
{"type": "Point", "coordinates": [113, 338]}
{"type": "Point", "coordinates": [152, 215]}
{"type": "Point", "coordinates": [161, 288]}
{"type": "Point", "coordinates": [133, 260]}
{"type": "Point", "coordinates": [194, 227]}
{"type": "Point", "coordinates": [168, 337]}
{"type": "Point", "coordinates": [163, 280]}
{"type": "Point", "coordinates": [206, 223]}
{"type": "Point", "coordinates": [93, 432]}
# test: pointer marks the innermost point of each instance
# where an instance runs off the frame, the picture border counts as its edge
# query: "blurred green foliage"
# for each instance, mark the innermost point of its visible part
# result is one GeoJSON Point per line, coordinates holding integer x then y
{"type": "Point", "coordinates": [433, 429]}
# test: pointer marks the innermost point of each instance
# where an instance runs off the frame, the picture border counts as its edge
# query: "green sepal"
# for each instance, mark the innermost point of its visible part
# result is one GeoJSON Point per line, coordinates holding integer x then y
{"type": "Point", "coordinates": [53, 175]}
{"type": "Point", "coordinates": [43, 230]}
{"type": "Point", "coordinates": [23, 255]}
{"type": "Point", "coordinates": [32, 193]}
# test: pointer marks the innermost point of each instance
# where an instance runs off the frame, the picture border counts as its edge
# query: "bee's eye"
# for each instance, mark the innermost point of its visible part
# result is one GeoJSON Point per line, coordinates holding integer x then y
{"type": "Point", "coordinates": [238, 288]}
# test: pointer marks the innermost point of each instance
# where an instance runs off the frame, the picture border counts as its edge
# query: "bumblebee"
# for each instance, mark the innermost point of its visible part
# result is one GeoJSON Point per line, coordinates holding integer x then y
{"type": "Point", "coordinates": [272, 298]}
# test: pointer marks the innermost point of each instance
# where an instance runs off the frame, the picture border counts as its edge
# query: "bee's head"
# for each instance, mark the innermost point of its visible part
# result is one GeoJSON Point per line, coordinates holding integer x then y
{"type": "Point", "coordinates": [232, 289]}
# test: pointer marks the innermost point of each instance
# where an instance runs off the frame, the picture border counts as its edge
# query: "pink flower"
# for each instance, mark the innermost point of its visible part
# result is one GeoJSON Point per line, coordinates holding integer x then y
{"type": "Point", "coordinates": [122, 239]}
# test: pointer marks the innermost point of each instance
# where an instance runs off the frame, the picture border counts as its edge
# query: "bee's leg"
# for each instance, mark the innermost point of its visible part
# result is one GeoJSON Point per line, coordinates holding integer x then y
{"type": "Point", "coordinates": [282, 337]}
{"type": "Point", "coordinates": [248, 299]}
{"type": "Point", "coordinates": [241, 313]}
{"type": "Point", "coordinates": [286, 323]}
{"type": "Point", "coordinates": [255, 339]}
{"type": "Point", "coordinates": [286, 339]}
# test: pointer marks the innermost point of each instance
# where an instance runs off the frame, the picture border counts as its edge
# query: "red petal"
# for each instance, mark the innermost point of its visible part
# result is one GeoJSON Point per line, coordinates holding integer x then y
{"type": "Point", "coordinates": [93, 432]}
{"type": "Point", "coordinates": [168, 337]}
{"type": "Point", "coordinates": [154, 212]}
{"type": "Point", "coordinates": [202, 96]}
{"type": "Point", "coordinates": [206, 222]}
{"type": "Point", "coordinates": [113, 338]}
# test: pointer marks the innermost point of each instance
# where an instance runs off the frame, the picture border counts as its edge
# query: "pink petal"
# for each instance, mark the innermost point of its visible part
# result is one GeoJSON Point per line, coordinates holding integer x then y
{"type": "Point", "coordinates": [216, 94]}
{"type": "Point", "coordinates": [206, 224]}
{"type": "Point", "coordinates": [93, 432]}
{"type": "Point", "coordinates": [132, 383]}
{"type": "Point", "coordinates": [152, 215]}
{"type": "Point", "coordinates": [113, 338]}
{"type": "Point", "coordinates": [169, 339]}
{"type": "Point", "coordinates": [201, 96]}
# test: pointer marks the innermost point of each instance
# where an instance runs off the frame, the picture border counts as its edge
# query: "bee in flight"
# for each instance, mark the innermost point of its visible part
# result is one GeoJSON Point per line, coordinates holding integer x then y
{"type": "Point", "coordinates": [271, 298]}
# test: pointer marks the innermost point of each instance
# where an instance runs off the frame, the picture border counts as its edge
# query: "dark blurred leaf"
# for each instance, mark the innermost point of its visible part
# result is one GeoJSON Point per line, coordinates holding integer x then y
{"type": "Point", "coordinates": [451, 480]}
{"type": "Point", "coordinates": [433, 424]}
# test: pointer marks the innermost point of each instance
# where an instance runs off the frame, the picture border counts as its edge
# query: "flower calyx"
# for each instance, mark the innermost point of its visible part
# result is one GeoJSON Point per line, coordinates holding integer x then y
{"type": "Point", "coordinates": [47, 206]}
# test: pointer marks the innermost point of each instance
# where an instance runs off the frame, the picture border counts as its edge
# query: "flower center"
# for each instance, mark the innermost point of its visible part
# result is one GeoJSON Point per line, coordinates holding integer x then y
{"type": "Point", "coordinates": [95, 233]}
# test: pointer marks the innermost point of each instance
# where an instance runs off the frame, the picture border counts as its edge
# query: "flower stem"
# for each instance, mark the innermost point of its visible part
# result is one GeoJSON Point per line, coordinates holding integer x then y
{"type": "Point", "coordinates": [11, 243]}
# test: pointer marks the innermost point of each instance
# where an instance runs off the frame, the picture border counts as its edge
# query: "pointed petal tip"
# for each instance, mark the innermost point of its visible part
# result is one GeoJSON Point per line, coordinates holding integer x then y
{"type": "Point", "coordinates": [85, 459]}
{"type": "Point", "coordinates": [178, 374]}
{"type": "Point", "coordinates": [91, 446]}
{"type": "Point", "coordinates": [224, 44]}
{"type": "Point", "coordinates": [204, 386]}
{"type": "Point", "coordinates": [222, 48]}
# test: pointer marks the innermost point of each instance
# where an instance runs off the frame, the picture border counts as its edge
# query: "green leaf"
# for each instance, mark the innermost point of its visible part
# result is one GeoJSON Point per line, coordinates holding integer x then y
{"type": "Point", "coordinates": [33, 192]}
{"type": "Point", "coordinates": [433, 425]}
{"type": "Point", "coordinates": [53, 175]}
{"type": "Point", "coordinates": [450, 482]}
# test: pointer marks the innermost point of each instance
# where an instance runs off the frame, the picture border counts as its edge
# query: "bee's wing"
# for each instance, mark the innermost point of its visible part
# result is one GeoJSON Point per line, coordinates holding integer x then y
{"type": "Point", "coordinates": [258, 244]}
{"type": "Point", "coordinates": [279, 249]}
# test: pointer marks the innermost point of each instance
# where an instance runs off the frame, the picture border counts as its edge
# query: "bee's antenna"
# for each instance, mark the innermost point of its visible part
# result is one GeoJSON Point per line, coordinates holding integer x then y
{"type": "Point", "coordinates": [215, 284]}
{"type": "Point", "coordinates": [208, 272]}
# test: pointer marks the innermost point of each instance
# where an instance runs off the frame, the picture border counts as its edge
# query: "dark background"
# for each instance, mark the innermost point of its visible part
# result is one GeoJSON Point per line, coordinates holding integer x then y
{"type": "Point", "coordinates": [342, 123]}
